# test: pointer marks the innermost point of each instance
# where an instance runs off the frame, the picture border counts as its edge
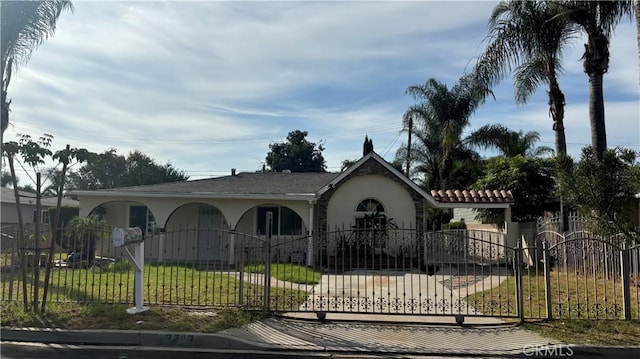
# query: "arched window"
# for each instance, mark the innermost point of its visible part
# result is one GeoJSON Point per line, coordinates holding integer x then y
{"type": "Point", "coordinates": [369, 206]}
{"type": "Point", "coordinates": [370, 213]}
{"type": "Point", "coordinates": [371, 223]}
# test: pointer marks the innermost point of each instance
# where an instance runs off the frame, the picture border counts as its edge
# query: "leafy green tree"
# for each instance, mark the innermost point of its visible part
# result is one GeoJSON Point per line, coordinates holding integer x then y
{"type": "Point", "coordinates": [33, 154]}
{"type": "Point", "coordinates": [297, 154]}
{"type": "Point", "coordinates": [531, 181]}
{"type": "Point", "coordinates": [597, 19]}
{"type": "Point", "coordinates": [110, 170]}
{"type": "Point", "coordinates": [510, 143]}
{"type": "Point", "coordinates": [524, 39]}
{"type": "Point", "coordinates": [440, 118]}
{"type": "Point", "coordinates": [604, 189]}
{"type": "Point", "coordinates": [25, 26]}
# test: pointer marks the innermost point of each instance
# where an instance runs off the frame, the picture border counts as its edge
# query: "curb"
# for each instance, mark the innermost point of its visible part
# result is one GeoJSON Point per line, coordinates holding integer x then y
{"type": "Point", "coordinates": [128, 338]}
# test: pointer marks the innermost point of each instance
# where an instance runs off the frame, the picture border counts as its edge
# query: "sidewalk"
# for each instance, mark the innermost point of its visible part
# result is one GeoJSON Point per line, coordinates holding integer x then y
{"type": "Point", "coordinates": [277, 334]}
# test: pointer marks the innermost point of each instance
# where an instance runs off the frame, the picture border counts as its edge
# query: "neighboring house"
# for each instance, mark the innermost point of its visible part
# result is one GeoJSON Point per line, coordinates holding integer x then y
{"type": "Point", "coordinates": [303, 204]}
{"type": "Point", "coordinates": [9, 212]}
{"type": "Point", "coordinates": [28, 206]}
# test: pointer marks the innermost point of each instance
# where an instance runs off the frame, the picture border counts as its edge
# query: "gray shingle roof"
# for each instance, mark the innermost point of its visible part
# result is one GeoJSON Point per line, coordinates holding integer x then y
{"type": "Point", "coordinates": [7, 196]}
{"type": "Point", "coordinates": [271, 183]}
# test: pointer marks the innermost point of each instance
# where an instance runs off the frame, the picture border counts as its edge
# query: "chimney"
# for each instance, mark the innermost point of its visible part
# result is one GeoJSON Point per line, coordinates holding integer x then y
{"type": "Point", "coordinates": [233, 171]}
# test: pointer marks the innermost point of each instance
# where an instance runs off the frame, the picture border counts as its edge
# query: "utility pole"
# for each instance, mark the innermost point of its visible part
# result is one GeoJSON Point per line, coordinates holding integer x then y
{"type": "Point", "coordinates": [409, 146]}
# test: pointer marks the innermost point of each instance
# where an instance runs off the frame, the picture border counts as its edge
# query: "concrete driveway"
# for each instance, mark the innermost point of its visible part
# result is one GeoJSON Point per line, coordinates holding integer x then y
{"type": "Point", "coordinates": [412, 293]}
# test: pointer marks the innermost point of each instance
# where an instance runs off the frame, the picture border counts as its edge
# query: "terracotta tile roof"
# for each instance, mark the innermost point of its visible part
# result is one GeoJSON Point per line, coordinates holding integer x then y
{"type": "Point", "coordinates": [481, 196]}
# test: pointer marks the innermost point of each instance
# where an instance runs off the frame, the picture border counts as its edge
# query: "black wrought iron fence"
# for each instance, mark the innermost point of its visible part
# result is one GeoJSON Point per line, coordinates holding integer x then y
{"type": "Point", "coordinates": [404, 271]}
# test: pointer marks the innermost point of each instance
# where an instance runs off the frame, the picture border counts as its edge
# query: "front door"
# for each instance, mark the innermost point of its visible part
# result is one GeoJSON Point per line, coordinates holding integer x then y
{"type": "Point", "coordinates": [210, 223]}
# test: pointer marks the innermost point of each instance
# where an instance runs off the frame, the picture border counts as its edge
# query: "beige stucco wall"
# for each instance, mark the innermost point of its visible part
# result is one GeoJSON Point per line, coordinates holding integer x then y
{"type": "Point", "coordinates": [397, 202]}
{"type": "Point", "coordinates": [162, 208]}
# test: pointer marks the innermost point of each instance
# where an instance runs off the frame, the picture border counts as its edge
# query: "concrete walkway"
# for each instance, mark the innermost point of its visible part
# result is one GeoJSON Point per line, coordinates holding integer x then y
{"type": "Point", "coordinates": [386, 292]}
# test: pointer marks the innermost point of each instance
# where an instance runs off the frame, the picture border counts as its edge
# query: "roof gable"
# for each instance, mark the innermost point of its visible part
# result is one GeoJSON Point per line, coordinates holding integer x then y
{"type": "Point", "coordinates": [374, 156]}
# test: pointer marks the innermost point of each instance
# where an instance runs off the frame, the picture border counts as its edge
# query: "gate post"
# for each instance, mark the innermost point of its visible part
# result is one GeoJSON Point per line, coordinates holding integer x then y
{"type": "Point", "coordinates": [624, 269]}
{"type": "Point", "coordinates": [547, 279]}
{"type": "Point", "coordinates": [517, 263]}
{"type": "Point", "coordinates": [267, 263]}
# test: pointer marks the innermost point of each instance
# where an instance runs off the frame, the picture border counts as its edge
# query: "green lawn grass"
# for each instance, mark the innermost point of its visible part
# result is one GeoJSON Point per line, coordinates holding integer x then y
{"type": "Point", "coordinates": [113, 316]}
{"type": "Point", "coordinates": [589, 331]}
{"type": "Point", "coordinates": [577, 300]}
{"type": "Point", "coordinates": [163, 285]}
{"type": "Point", "coordinates": [289, 272]}
{"type": "Point", "coordinates": [573, 296]}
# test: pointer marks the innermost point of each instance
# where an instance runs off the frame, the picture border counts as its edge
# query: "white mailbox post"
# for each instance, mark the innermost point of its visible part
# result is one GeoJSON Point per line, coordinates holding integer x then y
{"type": "Point", "coordinates": [123, 237]}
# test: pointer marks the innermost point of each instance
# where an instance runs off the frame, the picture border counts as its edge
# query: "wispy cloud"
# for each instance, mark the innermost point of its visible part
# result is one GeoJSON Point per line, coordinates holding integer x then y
{"type": "Point", "coordinates": [208, 85]}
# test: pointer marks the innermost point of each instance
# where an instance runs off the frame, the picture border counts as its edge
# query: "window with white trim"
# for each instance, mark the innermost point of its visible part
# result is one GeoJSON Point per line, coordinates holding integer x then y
{"type": "Point", "coordinates": [141, 216]}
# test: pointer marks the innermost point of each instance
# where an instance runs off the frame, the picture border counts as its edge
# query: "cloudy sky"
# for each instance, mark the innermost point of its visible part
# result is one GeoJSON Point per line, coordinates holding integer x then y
{"type": "Point", "coordinates": [207, 85]}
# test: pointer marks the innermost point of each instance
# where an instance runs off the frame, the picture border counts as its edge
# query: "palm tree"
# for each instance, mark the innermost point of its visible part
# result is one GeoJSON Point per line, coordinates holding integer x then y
{"type": "Point", "coordinates": [522, 38]}
{"type": "Point", "coordinates": [440, 117]}
{"type": "Point", "coordinates": [510, 143]}
{"type": "Point", "coordinates": [25, 25]}
{"type": "Point", "coordinates": [597, 19]}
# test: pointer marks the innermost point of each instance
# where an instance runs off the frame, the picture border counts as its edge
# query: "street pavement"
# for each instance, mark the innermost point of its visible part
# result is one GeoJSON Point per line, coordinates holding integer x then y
{"type": "Point", "coordinates": [287, 337]}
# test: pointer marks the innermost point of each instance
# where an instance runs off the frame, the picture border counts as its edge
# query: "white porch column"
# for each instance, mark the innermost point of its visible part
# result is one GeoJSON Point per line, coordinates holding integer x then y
{"type": "Point", "coordinates": [310, 235]}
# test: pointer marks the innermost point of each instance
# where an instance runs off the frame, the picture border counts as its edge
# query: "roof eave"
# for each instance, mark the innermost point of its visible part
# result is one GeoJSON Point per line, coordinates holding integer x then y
{"type": "Point", "coordinates": [208, 195]}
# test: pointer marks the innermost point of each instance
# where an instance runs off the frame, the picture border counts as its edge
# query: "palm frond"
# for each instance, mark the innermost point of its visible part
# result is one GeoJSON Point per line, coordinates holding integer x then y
{"type": "Point", "coordinates": [26, 25]}
{"type": "Point", "coordinates": [528, 77]}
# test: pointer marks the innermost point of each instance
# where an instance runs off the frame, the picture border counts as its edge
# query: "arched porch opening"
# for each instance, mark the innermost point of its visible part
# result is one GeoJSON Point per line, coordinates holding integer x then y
{"type": "Point", "coordinates": [125, 214]}
{"type": "Point", "coordinates": [290, 239]}
{"type": "Point", "coordinates": [196, 232]}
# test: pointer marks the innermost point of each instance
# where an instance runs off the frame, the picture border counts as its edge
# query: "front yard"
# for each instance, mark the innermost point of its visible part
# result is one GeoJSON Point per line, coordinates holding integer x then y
{"type": "Point", "coordinates": [163, 285]}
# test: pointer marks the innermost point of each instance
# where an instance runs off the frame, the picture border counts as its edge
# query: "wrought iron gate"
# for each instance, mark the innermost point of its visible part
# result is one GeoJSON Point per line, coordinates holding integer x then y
{"type": "Point", "coordinates": [395, 271]}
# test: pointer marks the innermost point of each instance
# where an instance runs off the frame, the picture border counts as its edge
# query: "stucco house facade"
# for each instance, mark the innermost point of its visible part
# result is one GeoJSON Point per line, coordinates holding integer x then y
{"type": "Point", "coordinates": [302, 205]}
